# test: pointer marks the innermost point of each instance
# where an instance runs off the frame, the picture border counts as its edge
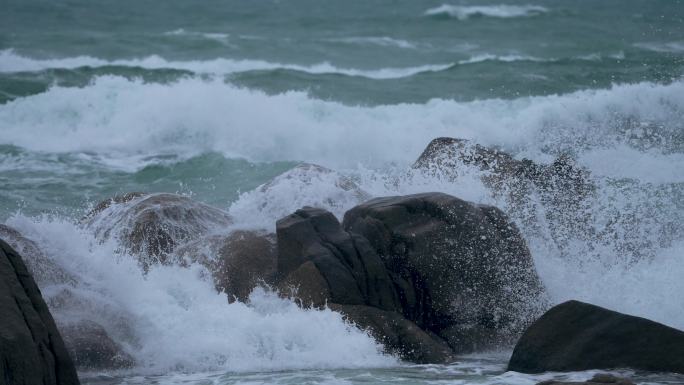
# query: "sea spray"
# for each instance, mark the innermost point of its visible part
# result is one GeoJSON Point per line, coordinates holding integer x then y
{"type": "Point", "coordinates": [172, 318]}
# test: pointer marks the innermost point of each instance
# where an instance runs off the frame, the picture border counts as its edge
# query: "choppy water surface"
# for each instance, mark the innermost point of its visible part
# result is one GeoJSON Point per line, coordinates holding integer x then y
{"type": "Point", "coordinates": [214, 98]}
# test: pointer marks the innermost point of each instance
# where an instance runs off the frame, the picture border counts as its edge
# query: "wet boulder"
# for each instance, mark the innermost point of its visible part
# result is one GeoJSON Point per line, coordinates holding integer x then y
{"type": "Point", "coordinates": [93, 349]}
{"type": "Point", "coordinates": [31, 348]}
{"type": "Point", "coordinates": [430, 275]}
{"type": "Point", "coordinates": [461, 270]}
{"type": "Point", "coordinates": [153, 225]}
{"type": "Point", "coordinates": [400, 336]}
{"type": "Point", "coordinates": [238, 261]}
{"type": "Point", "coordinates": [43, 269]}
{"type": "Point", "coordinates": [320, 264]}
{"type": "Point", "coordinates": [353, 274]}
{"type": "Point", "coordinates": [576, 336]}
{"type": "Point", "coordinates": [598, 379]}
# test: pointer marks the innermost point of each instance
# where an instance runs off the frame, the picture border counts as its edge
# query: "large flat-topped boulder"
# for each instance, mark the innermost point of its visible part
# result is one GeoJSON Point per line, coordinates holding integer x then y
{"type": "Point", "coordinates": [31, 349]}
{"type": "Point", "coordinates": [579, 336]}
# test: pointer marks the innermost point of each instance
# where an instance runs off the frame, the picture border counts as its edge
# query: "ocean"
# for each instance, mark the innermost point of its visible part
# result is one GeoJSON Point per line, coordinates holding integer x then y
{"type": "Point", "coordinates": [214, 98]}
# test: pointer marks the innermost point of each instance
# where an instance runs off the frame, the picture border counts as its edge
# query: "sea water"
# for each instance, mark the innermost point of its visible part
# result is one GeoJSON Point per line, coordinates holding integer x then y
{"type": "Point", "coordinates": [212, 99]}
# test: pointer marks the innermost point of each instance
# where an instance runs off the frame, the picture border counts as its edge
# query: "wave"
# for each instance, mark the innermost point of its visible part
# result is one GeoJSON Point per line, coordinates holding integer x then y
{"type": "Point", "coordinates": [628, 136]}
{"type": "Point", "coordinates": [223, 38]}
{"type": "Point", "coordinates": [11, 62]}
{"type": "Point", "coordinates": [668, 47]}
{"type": "Point", "coordinates": [517, 57]}
{"type": "Point", "coordinates": [502, 58]}
{"type": "Point", "coordinates": [194, 116]}
{"type": "Point", "coordinates": [383, 41]}
{"type": "Point", "coordinates": [496, 11]}
{"type": "Point", "coordinates": [173, 320]}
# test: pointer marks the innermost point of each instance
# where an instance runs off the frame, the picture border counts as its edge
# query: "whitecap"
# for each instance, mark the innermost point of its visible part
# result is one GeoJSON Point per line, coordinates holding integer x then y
{"type": "Point", "coordinates": [12, 62]}
{"type": "Point", "coordinates": [497, 11]}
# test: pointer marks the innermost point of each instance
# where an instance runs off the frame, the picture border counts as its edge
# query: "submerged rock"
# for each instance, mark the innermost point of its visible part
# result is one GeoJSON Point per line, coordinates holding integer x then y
{"type": "Point", "coordinates": [31, 349]}
{"type": "Point", "coordinates": [578, 336]}
{"type": "Point", "coordinates": [93, 349]}
{"type": "Point", "coordinates": [238, 261]}
{"type": "Point", "coordinates": [153, 225]}
{"type": "Point", "coordinates": [429, 274]}
{"type": "Point", "coordinates": [42, 268]}
{"type": "Point", "coordinates": [598, 379]}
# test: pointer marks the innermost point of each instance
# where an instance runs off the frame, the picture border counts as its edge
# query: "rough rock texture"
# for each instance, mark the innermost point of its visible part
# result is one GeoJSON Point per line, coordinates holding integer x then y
{"type": "Point", "coordinates": [31, 348]}
{"type": "Point", "coordinates": [461, 270]}
{"type": "Point", "coordinates": [430, 273]}
{"type": "Point", "coordinates": [93, 349]}
{"type": "Point", "coordinates": [42, 268]}
{"type": "Point", "coordinates": [598, 379]}
{"type": "Point", "coordinates": [153, 225]}
{"type": "Point", "coordinates": [238, 262]}
{"type": "Point", "coordinates": [579, 336]}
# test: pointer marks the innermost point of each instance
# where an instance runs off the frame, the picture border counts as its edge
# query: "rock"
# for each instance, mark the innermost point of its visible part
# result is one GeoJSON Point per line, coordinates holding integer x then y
{"type": "Point", "coordinates": [43, 269]}
{"type": "Point", "coordinates": [322, 265]}
{"type": "Point", "coordinates": [598, 379]}
{"type": "Point", "coordinates": [402, 337]}
{"type": "Point", "coordinates": [31, 348]}
{"type": "Point", "coordinates": [92, 348]}
{"type": "Point", "coordinates": [449, 154]}
{"type": "Point", "coordinates": [461, 270]}
{"type": "Point", "coordinates": [153, 225]}
{"type": "Point", "coordinates": [427, 274]}
{"type": "Point", "coordinates": [238, 262]}
{"type": "Point", "coordinates": [576, 336]}
{"type": "Point", "coordinates": [352, 271]}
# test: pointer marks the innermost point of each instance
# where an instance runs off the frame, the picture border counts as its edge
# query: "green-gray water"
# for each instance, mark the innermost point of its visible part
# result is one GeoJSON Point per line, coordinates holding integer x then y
{"type": "Point", "coordinates": [214, 98]}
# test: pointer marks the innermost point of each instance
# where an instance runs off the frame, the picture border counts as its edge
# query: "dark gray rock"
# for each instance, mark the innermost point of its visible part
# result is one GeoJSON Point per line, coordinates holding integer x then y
{"type": "Point", "coordinates": [598, 379]}
{"type": "Point", "coordinates": [31, 348]}
{"type": "Point", "coordinates": [461, 270]}
{"type": "Point", "coordinates": [93, 349]}
{"type": "Point", "coordinates": [458, 272]}
{"type": "Point", "coordinates": [579, 336]}
{"type": "Point", "coordinates": [353, 273]}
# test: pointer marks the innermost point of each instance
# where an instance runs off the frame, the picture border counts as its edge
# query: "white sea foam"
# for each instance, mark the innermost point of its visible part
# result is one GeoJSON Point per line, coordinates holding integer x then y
{"type": "Point", "coordinates": [627, 136]}
{"type": "Point", "coordinates": [172, 319]}
{"type": "Point", "coordinates": [12, 62]}
{"type": "Point", "coordinates": [384, 41]}
{"type": "Point", "coordinates": [671, 47]}
{"type": "Point", "coordinates": [223, 38]}
{"type": "Point", "coordinates": [193, 116]}
{"type": "Point", "coordinates": [463, 12]}
{"type": "Point", "coordinates": [502, 58]}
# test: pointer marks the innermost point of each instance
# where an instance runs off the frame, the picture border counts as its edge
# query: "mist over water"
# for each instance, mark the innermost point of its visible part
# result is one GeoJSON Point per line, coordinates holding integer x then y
{"type": "Point", "coordinates": [95, 102]}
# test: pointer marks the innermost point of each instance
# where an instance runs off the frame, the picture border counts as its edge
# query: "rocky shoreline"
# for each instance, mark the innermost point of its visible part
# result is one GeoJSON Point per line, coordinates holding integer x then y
{"type": "Point", "coordinates": [429, 275]}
